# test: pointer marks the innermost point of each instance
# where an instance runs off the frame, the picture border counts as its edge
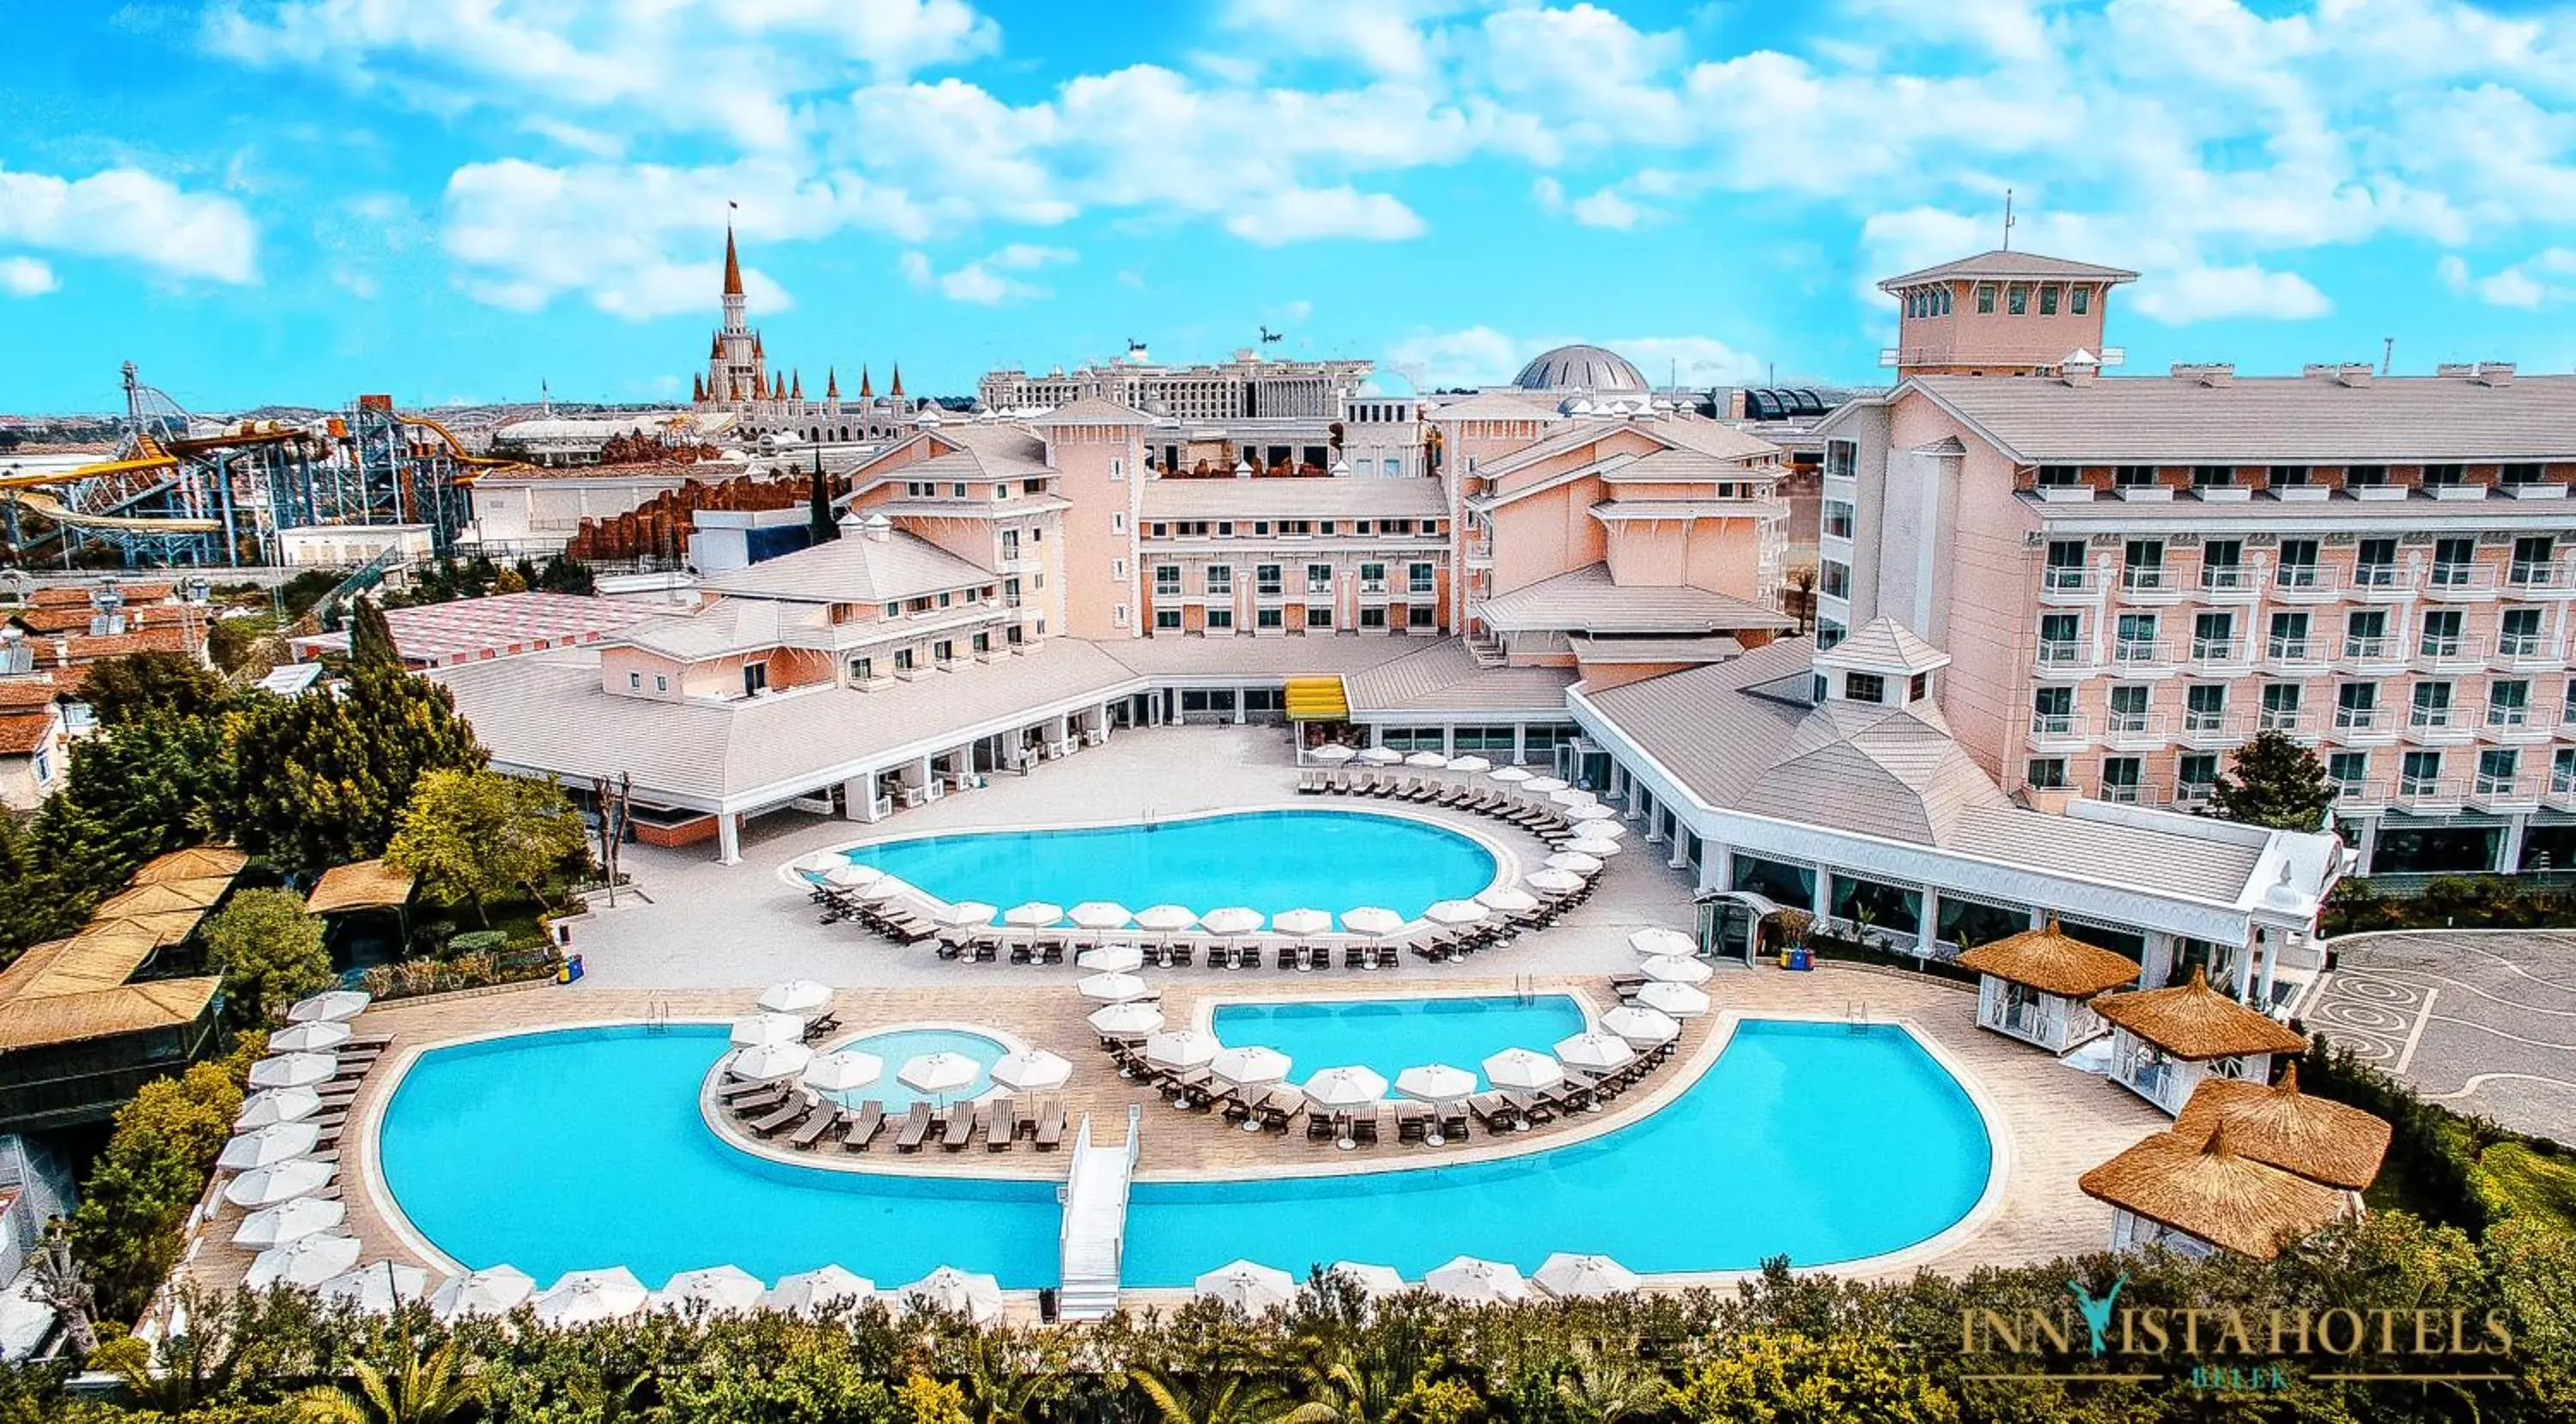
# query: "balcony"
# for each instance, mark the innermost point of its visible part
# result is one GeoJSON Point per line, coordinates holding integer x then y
{"type": "Point", "coordinates": [2533, 578]}
{"type": "Point", "coordinates": [2130, 793]}
{"type": "Point", "coordinates": [2149, 584]}
{"type": "Point", "coordinates": [2194, 795]}
{"type": "Point", "coordinates": [2135, 732]}
{"type": "Point", "coordinates": [2461, 583]}
{"type": "Point", "coordinates": [2382, 583]}
{"type": "Point", "coordinates": [2066, 657]}
{"type": "Point", "coordinates": [2517, 790]}
{"type": "Point", "coordinates": [2063, 584]}
{"type": "Point", "coordinates": [2519, 726]}
{"type": "Point", "coordinates": [2220, 655]}
{"type": "Point", "coordinates": [2450, 653]}
{"type": "Point", "coordinates": [2294, 654]}
{"type": "Point", "coordinates": [2056, 731]}
{"type": "Point", "coordinates": [2206, 731]}
{"type": "Point", "coordinates": [2306, 583]}
{"type": "Point", "coordinates": [2529, 652]}
{"type": "Point", "coordinates": [2429, 795]}
{"type": "Point", "coordinates": [2373, 653]}
{"type": "Point", "coordinates": [2298, 723]}
{"type": "Point", "coordinates": [2143, 657]}
{"type": "Point", "coordinates": [2362, 727]}
{"type": "Point", "coordinates": [2561, 791]}
{"type": "Point", "coordinates": [1480, 551]}
{"type": "Point", "coordinates": [2230, 583]}
{"type": "Point", "coordinates": [2359, 797]}
{"type": "Point", "coordinates": [2438, 726]}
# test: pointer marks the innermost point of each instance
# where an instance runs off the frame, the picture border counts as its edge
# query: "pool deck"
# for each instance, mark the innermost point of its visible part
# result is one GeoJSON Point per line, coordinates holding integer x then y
{"type": "Point", "coordinates": [702, 938]}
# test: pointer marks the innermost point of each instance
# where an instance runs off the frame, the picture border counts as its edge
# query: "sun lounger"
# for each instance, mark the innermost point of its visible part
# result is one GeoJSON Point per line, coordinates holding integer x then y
{"type": "Point", "coordinates": [1365, 1125]}
{"type": "Point", "coordinates": [1004, 1127]}
{"type": "Point", "coordinates": [752, 1105]}
{"type": "Point", "coordinates": [916, 1127]}
{"type": "Point", "coordinates": [742, 1088]}
{"type": "Point", "coordinates": [865, 1122]}
{"type": "Point", "coordinates": [1320, 1128]}
{"type": "Point", "coordinates": [795, 1107]}
{"type": "Point", "coordinates": [1453, 1123]}
{"type": "Point", "coordinates": [1050, 1131]}
{"type": "Point", "coordinates": [1233, 1107]}
{"type": "Point", "coordinates": [1412, 1122]}
{"type": "Point", "coordinates": [823, 1119]}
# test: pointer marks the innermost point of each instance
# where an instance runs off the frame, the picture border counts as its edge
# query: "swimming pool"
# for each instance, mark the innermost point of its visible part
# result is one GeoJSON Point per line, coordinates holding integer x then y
{"type": "Point", "coordinates": [897, 1046]}
{"type": "Point", "coordinates": [1268, 860]}
{"type": "Point", "coordinates": [580, 1148]}
{"type": "Point", "coordinates": [1391, 1035]}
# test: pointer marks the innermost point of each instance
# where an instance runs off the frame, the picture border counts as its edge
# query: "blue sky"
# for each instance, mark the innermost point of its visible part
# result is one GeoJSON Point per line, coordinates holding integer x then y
{"type": "Point", "coordinates": [295, 200]}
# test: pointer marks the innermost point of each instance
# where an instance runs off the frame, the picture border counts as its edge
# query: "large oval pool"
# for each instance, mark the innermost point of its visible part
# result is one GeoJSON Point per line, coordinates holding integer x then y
{"type": "Point", "coordinates": [1267, 860]}
{"type": "Point", "coordinates": [581, 1148]}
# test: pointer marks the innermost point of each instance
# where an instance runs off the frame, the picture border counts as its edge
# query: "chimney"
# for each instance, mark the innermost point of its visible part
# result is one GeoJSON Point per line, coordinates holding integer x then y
{"type": "Point", "coordinates": [2342, 373]}
{"type": "Point", "coordinates": [2207, 373]}
{"type": "Point", "coordinates": [2485, 373]}
{"type": "Point", "coordinates": [2080, 368]}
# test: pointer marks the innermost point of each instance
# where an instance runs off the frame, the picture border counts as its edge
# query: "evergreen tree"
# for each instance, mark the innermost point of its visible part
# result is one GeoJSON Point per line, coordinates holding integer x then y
{"type": "Point", "coordinates": [151, 785]}
{"type": "Point", "coordinates": [269, 952]}
{"type": "Point", "coordinates": [2275, 782]}
{"type": "Point", "coordinates": [819, 523]}
{"type": "Point", "coordinates": [566, 574]}
{"type": "Point", "coordinates": [121, 689]}
{"type": "Point", "coordinates": [371, 638]}
{"type": "Point", "coordinates": [322, 780]}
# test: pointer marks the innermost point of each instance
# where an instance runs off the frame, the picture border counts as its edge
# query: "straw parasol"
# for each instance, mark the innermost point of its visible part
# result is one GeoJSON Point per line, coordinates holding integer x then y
{"type": "Point", "coordinates": [1182, 1048]}
{"type": "Point", "coordinates": [378, 1289]}
{"type": "Point", "coordinates": [294, 1070]}
{"type": "Point", "coordinates": [1680, 1001]}
{"type": "Point", "coordinates": [1575, 861]}
{"type": "Point", "coordinates": [1595, 1052]}
{"type": "Point", "coordinates": [2053, 962]}
{"type": "Point", "coordinates": [268, 1146]}
{"type": "Point", "coordinates": [1553, 882]}
{"type": "Point", "coordinates": [1470, 763]}
{"type": "Point", "coordinates": [1100, 915]}
{"type": "Point", "coordinates": [319, 1036]}
{"type": "Point", "coordinates": [1031, 1070]}
{"type": "Point", "coordinates": [762, 1030]}
{"type": "Point", "coordinates": [1478, 1282]}
{"type": "Point", "coordinates": [1375, 1282]}
{"type": "Point", "coordinates": [492, 1291]}
{"type": "Point", "coordinates": [267, 1186]}
{"type": "Point", "coordinates": [1657, 940]}
{"type": "Point", "coordinates": [1523, 1069]}
{"type": "Point", "coordinates": [977, 1297]}
{"type": "Point", "coordinates": [304, 1261]}
{"type": "Point", "coordinates": [2279, 1126]}
{"type": "Point", "coordinates": [1111, 959]}
{"type": "Point", "coordinates": [717, 1290]}
{"type": "Point", "coordinates": [330, 1006]}
{"type": "Point", "coordinates": [2196, 1022]}
{"type": "Point", "coordinates": [1033, 914]}
{"type": "Point", "coordinates": [1126, 1020]}
{"type": "Point", "coordinates": [1248, 1286]}
{"type": "Point", "coordinates": [1509, 775]}
{"type": "Point", "coordinates": [1454, 912]}
{"type": "Point", "coordinates": [810, 1293]}
{"type": "Point", "coordinates": [2201, 1186]}
{"type": "Point", "coordinates": [277, 1105]}
{"type": "Point", "coordinates": [1673, 969]}
{"type": "Point", "coordinates": [1113, 988]}
{"type": "Point", "coordinates": [1640, 1026]}
{"type": "Point", "coordinates": [795, 996]}
{"type": "Point", "coordinates": [772, 1060]}
{"type": "Point", "coordinates": [965, 914]}
{"type": "Point", "coordinates": [840, 1072]}
{"type": "Point", "coordinates": [592, 1297]}
{"type": "Point", "coordinates": [290, 1220]}
{"type": "Point", "coordinates": [1566, 1275]}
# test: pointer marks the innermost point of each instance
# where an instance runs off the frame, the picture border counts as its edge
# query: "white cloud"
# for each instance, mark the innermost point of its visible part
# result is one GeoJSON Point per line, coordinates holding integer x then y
{"type": "Point", "coordinates": [26, 277]}
{"type": "Point", "coordinates": [986, 281]}
{"type": "Point", "coordinates": [125, 212]}
{"type": "Point", "coordinates": [1475, 356]}
{"type": "Point", "coordinates": [1483, 356]}
{"type": "Point", "coordinates": [1383, 36]}
{"type": "Point", "coordinates": [2535, 282]}
{"type": "Point", "coordinates": [1304, 215]}
{"type": "Point", "coordinates": [1605, 209]}
{"type": "Point", "coordinates": [2196, 294]}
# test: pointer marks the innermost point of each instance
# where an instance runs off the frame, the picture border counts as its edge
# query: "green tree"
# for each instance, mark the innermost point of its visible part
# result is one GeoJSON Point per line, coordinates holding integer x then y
{"type": "Point", "coordinates": [479, 837]}
{"type": "Point", "coordinates": [820, 527]}
{"type": "Point", "coordinates": [420, 1389]}
{"type": "Point", "coordinates": [371, 637]}
{"type": "Point", "coordinates": [152, 784]}
{"type": "Point", "coordinates": [566, 574]}
{"type": "Point", "coordinates": [125, 1232]}
{"type": "Point", "coordinates": [2273, 781]}
{"type": "Point", "coordinates": [1597, 1388]}
{"type": "Point", "coordinates": [1225, 1397]}
{"type": "Point", "coordinates": [1774, 1378]}
{"type": "Point", "coordinates": [270, 953]}
{"type": "Point", "coordinates": [153, 682]}
{"type": "Point", "coordinates": [321, 780]}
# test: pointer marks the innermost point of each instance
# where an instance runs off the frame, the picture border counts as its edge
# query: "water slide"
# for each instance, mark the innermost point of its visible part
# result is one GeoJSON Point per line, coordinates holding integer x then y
{"type": "Point", "coordinates": [43, 502]}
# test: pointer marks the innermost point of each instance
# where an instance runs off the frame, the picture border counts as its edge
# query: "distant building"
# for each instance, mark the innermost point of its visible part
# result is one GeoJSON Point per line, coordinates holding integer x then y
{"type": "Point", "coordinates": [740, 384]}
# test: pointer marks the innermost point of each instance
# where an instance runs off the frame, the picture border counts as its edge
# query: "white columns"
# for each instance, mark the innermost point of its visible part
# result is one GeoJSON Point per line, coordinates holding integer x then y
{"type": "Point", "coordinates": [859, 798]}
{"type": "Point", "coordinates": [729, 838]}
{"type": "Point", "coordinates": [2509, 848]}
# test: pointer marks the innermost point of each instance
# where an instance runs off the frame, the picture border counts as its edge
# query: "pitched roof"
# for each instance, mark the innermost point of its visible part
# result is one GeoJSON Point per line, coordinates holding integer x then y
{"type": "Point", "coordinates": [24, 730]}
{"type": "Point", "coordinates": [2317, 1138]}
{"type": "Point", "coordinates": [1892, 770]}
{"type": "Point", "coordinates": [727, 625]}
{"type": "Point", "coordinates": [1445, 677]}
{"type": "Point", "coordinates": [2199, 1184]}
{"type": "Point", "coordinates": [2005, 264]}
{"type": "Point", "coordinates": [1883, 642]}
{"type": "Point", "coordinates": [1093, 410]}
{"type": "Point", "coordinates": [2266, 419]}
{"type": "Point", "coordinates": [196, 862]}
{"type": "Point", "coordinates": [1512, 404]}
{"type": "Point", "coordinates": [2195, 1021]}
{"type": "Point", "coordinates": [1629, 651]}
{"type": "Point", "coordinates": [855, 568]}
{"type": "Point", "coordinates": [103, 1013]}
{"type": "Point", "coordinates": [360, 885]}
{"type": "Point", "coordinates": [2053, 962]}
{"type": "Point", "coordinates": [1588, 601]}
{"type": "Point", "coordinates": [1295, 497]}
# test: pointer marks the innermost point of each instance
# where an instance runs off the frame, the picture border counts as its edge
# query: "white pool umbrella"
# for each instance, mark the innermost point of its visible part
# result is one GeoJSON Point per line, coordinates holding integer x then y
{"type": "Point", "coordinates": [1248, 1067]}
{"type": "Point", "coordinates": [290, 1220]}
{"type": "Point", "coordinates": [1575, 861]}
{"type": "Point", "coordinates": [1375, 921]}
{"type": "Point", "coordinates": [1301, 922]}
{"type": "Point", "coordinates": [1031, 1070]}
{"type": "Point", "coordinates": [1428, 760]}
{"type": "Point", "coordinates": [977, 1297]}
{"type": "Point", "coordinates": [1033, 915]}
{"type": "Point", "coordinates": [294, 1070]}
{"type": "Point", "coordinates": [854, 876]}
{"type": "Point", "coordinates": [1248, 1286]}
{"type": "Point", "coordinates": [1673, 969]}
{"type": "Point", "coordinates": [1478, 1282]}
{"type": "Point", "coordinates": [592, 1297]}
{"type": "Point", "coordinates": [1470, 763]}
{"type": "Point", "coordinates": [1126, 1020]}
{"type": "Point", "coordinates": [1100, 915]}
{"type": "Point", "coordinates": [1331, 754]}
{"type": "Point", "coordinates": [1346, 1087]}
{"type": "Point", "coordinates": [1680, 1001]}
{"type": "Point", "coordinates": [1657, 940]}
{"type": "Point", "coordinates": [1376, 1282]}
{"type": "Point", "coordinates": [275, 1106]}
{"type": "Point", "coordinates": [1595, 1052]}
{"type": "Point", "coordinates": [494, 1290]}
{"type": "Point", "coordinates": [1231, 920]}
{"type": "Point", "coordinates": [772, 1060]}
{"type": "Point", "coordinates": [1543, 786]}
{"type": "Point", "coordinates": [1642, 1027]}
{"type": "Point", "coordinates": [1381, 756]}
{"type": "Point", "coordinates": [1553, 882]}
{"type": "Point", "coordinates": [1111, 958]}
{"type": "Point", "coordinates": [761, 1030]}
{"type": "Point", "coordinates": [267, 1186]}
{"type": "Point", "coordinates": [268, 1146]}
{"type": "Point", "coordinates": [1510, 899]}
{"type": "Point", "coordinates": [717, 1290]}
{"type": "Point", "coordinates": [813, 1292]}
{"type": "Point", "coordinates": [379, 1289]}
{"type": "Point", "coordinates": [1596, 812]}
{"type": "Point", "coordinates": [1523, 1069]}
{"type": "Point", "coordinates": [1181, 1048]}
{"type": "Point", "coordinates": [1113, 988]}
{"type": "Point", "coordinates": [311, 1037]}
{"type": "Point", "coordinates": [1454, 912]}
{"type": "Point", "coordinates": [1601, 830]}
{"type": "Point", "coordinates": [1166, 919]}
{"type": "Point", "coordinates": [795, 996]}
{"type": "Point", "coordinates": [843, 1071]}
{"type": "Point", "coordinates": [329, 1006]}
{"type": "Point", "coordinates": [884, 887]}
{"type": "Point", "coordinates": [1572, 799]}
{"type": "Point", "coordinates": [1435, 1083]}
{"type": "Point", "coordinates": [963, 914]}
{"type": "Point", "coordinates": [1597, 847]}
{"type": "Point", "coordinates": [941, 1072]}
{"type": "Point", "coordinates": [1566, 1275]}
{"type": "Point", "coordinates": [1509, 775]}
{"type": "Point", "coordinates": [817, 863]}
{"type": "Point", "coordinates": [305, 1261]}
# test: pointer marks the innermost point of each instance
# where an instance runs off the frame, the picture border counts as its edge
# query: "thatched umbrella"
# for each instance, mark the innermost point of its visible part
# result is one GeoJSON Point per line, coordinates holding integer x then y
{"type": "Point", "coordinates": [2202, 1186]}
{"type": "Point", "coordinates": [2317, 1138]}
{"type": "Point", "coordinates": [2053, 962]}
{"type": "Point", "coordinates": [2194, 1021]}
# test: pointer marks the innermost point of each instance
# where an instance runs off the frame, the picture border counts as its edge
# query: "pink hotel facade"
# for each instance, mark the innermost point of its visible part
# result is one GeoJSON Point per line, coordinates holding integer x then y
{"type": "Point", "coordinates": [2135, 574]}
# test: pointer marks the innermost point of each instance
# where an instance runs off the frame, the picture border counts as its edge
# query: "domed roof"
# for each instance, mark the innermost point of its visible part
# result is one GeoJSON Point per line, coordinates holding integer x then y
{"type": "Point", "coordinates": [1580, 368]}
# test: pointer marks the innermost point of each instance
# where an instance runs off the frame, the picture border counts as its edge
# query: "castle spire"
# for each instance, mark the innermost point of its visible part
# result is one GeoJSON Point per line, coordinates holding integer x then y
{"type": "Point", "coordinates": [798, 390]}
{"type": "Point", "coordinates": [733, 266]}
{"type": "Point", "coordinates": [866, 391]}
{"type": "Point", "coordinates": [897, 390]}
{"type": "Point", "coordinates": [831, 383]}
{"type": "Point", "coordinates": [697, 390]}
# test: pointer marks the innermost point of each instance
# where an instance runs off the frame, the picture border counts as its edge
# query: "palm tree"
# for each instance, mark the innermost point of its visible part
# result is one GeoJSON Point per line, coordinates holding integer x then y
{"type": "Point", "coordinates": [1218, 1399]}
{"type": "Point", "coordinates": [1340, 1385]}
{"type": "Point", "coordinates": [434, 1390]}
{"type": "Point", "coordinates": [1001, 1386]}
{"type": "Point", "coordinates": [1599, 1390]}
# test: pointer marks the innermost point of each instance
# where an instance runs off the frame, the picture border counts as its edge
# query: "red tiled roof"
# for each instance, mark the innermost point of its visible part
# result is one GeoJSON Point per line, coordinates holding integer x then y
{"type": "Point", "coordinates": [53, 619]}
{"type": "Point", "coordinates": [23, 731]}
{"type": "Point", "coordinates": [24, 693]}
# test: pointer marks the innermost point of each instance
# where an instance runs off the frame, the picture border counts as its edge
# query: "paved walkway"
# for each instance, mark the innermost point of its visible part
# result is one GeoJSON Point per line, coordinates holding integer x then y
{"type": "Point", "coordinates": [2480, 1021]}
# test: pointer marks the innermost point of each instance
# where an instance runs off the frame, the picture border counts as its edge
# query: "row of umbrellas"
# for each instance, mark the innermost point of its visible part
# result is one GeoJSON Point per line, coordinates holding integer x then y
{"type": "Point", "coordinates": [327, 1264]}
{"type": "Point", "coordinates": [770, 1044]}
{"type": "Point", "coordinates": [277, 1129]}
{"type": "Point", "coordinates": [1254, 1289]}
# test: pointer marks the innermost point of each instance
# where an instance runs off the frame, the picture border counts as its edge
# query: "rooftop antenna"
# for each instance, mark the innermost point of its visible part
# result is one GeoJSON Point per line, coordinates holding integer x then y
{"type": "Point", "coordinates": [2387, 353]}
{"type": "Point", "coordinates": [2008, 220]}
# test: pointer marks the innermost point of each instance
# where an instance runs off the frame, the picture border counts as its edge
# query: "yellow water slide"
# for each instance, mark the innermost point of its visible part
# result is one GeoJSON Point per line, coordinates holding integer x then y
{"type": "Point", "coordinates": [43, 502]}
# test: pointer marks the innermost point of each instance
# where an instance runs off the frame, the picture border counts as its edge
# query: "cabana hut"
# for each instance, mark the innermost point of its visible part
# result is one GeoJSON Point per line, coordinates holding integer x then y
{"type": "Point", "coordinates": [2195, 1194]}
{"type": "Point", "coordinates": [2035, 986]}
{"type": "Point", "coordinates": [2330, 1143]}
{"type": "Point", "coordinates": [2165, 1041]}
{"type": "Point", "coordinates": [346, 895]}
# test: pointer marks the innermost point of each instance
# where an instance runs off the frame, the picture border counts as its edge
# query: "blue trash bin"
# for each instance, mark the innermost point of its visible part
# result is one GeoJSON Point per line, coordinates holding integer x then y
{"type": "Point", "coordinates": [571, 969]}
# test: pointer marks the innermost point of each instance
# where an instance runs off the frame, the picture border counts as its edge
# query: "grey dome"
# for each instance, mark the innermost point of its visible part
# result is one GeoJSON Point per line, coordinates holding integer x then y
{"type": "Point", "coordinates": [1580, 368]}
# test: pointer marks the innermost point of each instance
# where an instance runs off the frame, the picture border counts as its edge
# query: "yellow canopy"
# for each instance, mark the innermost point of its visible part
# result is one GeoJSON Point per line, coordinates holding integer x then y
{"type": "Point", "coordinates": [1317, 699]}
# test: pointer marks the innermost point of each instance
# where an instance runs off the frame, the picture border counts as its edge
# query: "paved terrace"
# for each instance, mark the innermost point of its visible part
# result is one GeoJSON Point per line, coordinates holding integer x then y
{"type": "Point", "coordinates": [2480, 1021]}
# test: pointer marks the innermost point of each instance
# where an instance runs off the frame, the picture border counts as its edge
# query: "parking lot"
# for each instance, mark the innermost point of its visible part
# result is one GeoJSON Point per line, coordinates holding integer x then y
{"type": "Point", "coordinates": [2479, 1021]}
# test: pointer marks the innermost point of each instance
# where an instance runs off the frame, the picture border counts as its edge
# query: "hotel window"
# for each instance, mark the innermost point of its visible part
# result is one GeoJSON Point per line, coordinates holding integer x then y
{"type": "Point", "coordinates": [1373, 618]}
{"type": "Point", "coordinates": [2357, 705]}
{"type": "Point", "coordinates": [945, 598]}
{"type": "Point", "coordinates": [1986, 298]}
{"type": "Point", "coordinates": [1864, 687]}
{"type": "Point", "coordinates": [1836, 582]}
{"type": "Point", "coordinates": [2079, 300]}
{"type": "Point", "coordinates": [2222, 564]}
{"type": "Point", "coordinates": [894, 610]}
{"type": "Point", "coordinates": [1319, 616]}
{"type": "Point", "coordinates": [1117, 468]}
{"type": "Point", "coordinates": [2196, 776]}
{"type": "Point", "coordinates": [960, 489]}
{"type": "Point", "coordinates": [2454, 562]}
{"type": "Point", "coordinates": [2048, 299]}
{"type": "Point", "coordinates": [945, 650]}
{"type": "Point", "coordinates": [1220, 578]}
{"type": "Point", "coordinates": [1268, 618]}
{"type": "Point", "coordinates": [2132, 476]}
{"type": "Point", "coordinates": [2057, 635]}
{"type": "Point", "coordinates": [1261, 529]}
{"type": "Point", "coordinates": [2286, 476]}
{"type": "Point", "coordinates": [2017, 300]}
{"type": "Point", "coordinates": [635, 682]}
{"type": "Point", "coordinates": [2496, 771]}
{"type": "Point", "coordinates": [2142, 564]}
{"type": "Point", "coordinates": [2204, 707]}
{"type": "Point", "coordinates": [2060, 477]}
{"type": "Point", "coordinates": [1420, 580]}
{"type": "Point", "coordinates": [1829, 633]}
{"type": "Point", "coordinates": [2289, 640]}
{"type": "Point", "coordinates": [2432, 705]}
{"type": "Point", "coordinates": [1372, 578]}
{"type": "Point", "coordinates": [1157, 530]}
{"type": "Point", "coordinates": [2374, 563]}
{"type": "Point", "coordinates": [1167, 620]}
{"type": "Point", "coordinates": [2280, 706]}
{"type": "Point", "coordinates": [2052, 711]}
{"type": "Point", "coordinates": [2121, 778]}
{"type": "Point", "coordinates": [2212, 476]}
{"type": "Point", "coordinates": [755, 678]}
{"type": "Point", "coordinates": [2508, 703]}
{"type": "Point", "coordinates": [2349, 771]}
{"type": "Point", "coordinates": [863, 669]}
{"type": "Point", "coordinates": [2046, 773]}
{"type": "Point", "coordinates": [661, 683]}
{"type": "Point", "coordinates": [2137, 638]}
{"type": "Point", "coordinates": [1118, 615]}
{"type": "Point", "coordinates": [2444, 476]}
{"type": "Point", "coordinates": [2518, 635]}
{"type": "Point", "coordinates": [1118, 568]}
{"type": "Point", "coordinates": [1265, 580]}
{"type": "Point", "coordinates": [2298, 566]}
{"type": "Point", "coordinates": [1220, 620]}
{"type": "Point", "coordinates": [2365, 476]}
{"type": "Point", "coordinates": [2532, 556]}
{"type": "Point", "coordinates": [1167, 580]}
{"type": "Point", "coordinates": [1328, 529]}
{"type": "Point", "coordinates": [983, 643]}
{"type": "Point", "coordinates": [1421, 616]}
{"type": "Point", "coordinates": [2562, 771]}
{"type": "Point", "coordinates": [1838, 518]}
{"type": "Point", "coordinates": [2128, 709]}
{"type": "Point", "coordinates": [2441, 634]}
{"type": "Point", "coordinates": [2213, 637]}
{"type": "Point", "coordinates": [2065, 567]}
{"type": "Point", "coordinates": [1319, 578]}
{"type": "Point", "coordinates": [1225, 529]}
{"type": "Point", "coordinates": [903, 656]}
{"type": "Point", "coordinates": [2515, 475]}
{"type": "Point", "coordinates": [1842, 459]}
{"type": "Point", "coordinates": [1117, 521]}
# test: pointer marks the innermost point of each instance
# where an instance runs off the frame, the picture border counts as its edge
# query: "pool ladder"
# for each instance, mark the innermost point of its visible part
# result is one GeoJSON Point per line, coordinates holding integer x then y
{"type": "Point", "coordinates": [1856, 1015]}
{"type": "Point", "coordinates": [1524, 989]}
{"type": "Point", "coordinates": [657, 1017]}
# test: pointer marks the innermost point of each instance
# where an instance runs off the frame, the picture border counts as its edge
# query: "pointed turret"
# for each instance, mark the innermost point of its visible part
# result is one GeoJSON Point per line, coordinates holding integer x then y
{"type": "Point", "coordinates": [866, 391]}
{"type": "Point", "coordinates": [697, 390]}
{"type": "Point", "coordinates": [831, 383]}
{"type": "Point", "coordinates": [758, 353]}
{"type": "Point", "coordinates": [715, 345]}
{"type": "Point", "coordinates": [897, 389]}
{"type": "Point", "coordinates": [796, 386]}
{"type": "Point", "coordinates": [733, 266]}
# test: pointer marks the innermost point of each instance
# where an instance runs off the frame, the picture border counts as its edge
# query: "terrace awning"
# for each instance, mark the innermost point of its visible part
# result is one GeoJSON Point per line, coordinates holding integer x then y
{"type": "Point", "coordinates": [1317, 699]}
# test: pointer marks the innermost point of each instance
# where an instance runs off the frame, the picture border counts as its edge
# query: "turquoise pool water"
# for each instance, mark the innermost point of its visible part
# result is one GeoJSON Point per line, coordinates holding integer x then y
{"type": "Point", "coordinates": [1268, 860]}
{"type": "Point", "coordinates": [1391, 1035]}
{"type": "Point", "coordinates": [900, 1045]}
{"type": "Point", "coordinates": [583, 1148]}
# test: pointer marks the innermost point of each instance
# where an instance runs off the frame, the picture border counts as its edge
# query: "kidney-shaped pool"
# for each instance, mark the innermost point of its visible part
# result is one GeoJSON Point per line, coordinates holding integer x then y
{"type": "Point", "coordinates": [580, 1148]}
